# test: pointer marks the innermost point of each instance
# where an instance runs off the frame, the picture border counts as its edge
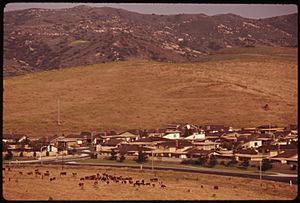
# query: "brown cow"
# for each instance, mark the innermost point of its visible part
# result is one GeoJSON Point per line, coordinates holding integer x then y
{"type": "Point", "coordinates": [63, 173]}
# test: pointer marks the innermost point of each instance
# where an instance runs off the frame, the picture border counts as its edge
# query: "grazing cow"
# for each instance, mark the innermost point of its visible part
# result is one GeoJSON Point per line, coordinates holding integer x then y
{"type": "Point", "coordinates": [216, 187]}
{"type": "Point", "coordinates": [53, 178]}
{"type": "Point", "coordinates": [147, 184]}
{"type": "Point", "coordinates": [163, 186]}
{"type": "Point", "coordinates": [20, 172]}
{"type": "Point", "coordinates": [47, 173]}
{"type": "Point", "coordinates": [81, 178]}
{"type": "Point", "coordinates": [38, 173]}
{"type": "Point", "coordinates": [153, 185]}
{"type": "Point", "coordinates": [30, 173]}
{"type": "Point", "coordinates": [36, 170]}
{"type": "Point", "coordinates": [154, 179]}
{"type": "Point", "coordinates": [107, 182]}
{"type": "Point", "coordinates": [63, 173]}
{"type": "Point", "coordinates": [74, 174]}
{"type": "Point", "coordinates": [130, 181]}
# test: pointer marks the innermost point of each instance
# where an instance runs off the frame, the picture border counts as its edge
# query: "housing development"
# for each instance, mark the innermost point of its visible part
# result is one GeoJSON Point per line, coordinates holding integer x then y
{"type": "Point", "coordinates": [178, 142]}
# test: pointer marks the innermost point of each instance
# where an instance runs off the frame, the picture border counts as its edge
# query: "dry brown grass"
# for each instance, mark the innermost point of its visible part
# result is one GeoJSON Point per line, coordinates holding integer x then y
{"type": "Point", "coordinates": [179, 186]}
{"type": "Point", "coordinates": [134, 94]}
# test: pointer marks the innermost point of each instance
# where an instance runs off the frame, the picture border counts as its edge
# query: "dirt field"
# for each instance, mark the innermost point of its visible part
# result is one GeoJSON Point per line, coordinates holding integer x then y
{"type": "Point", "coordinates": [179, 186]}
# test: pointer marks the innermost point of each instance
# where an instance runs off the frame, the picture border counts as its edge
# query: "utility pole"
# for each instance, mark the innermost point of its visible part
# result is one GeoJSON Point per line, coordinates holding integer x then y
{"type": "Point", "coordinates": [62, 159]}
{"type": "Point", "coordinates": [58, 111]}
{"type": "Point", "coordinates": [152, 159]}
{"type": "Point", "coordinates": [260, 169]}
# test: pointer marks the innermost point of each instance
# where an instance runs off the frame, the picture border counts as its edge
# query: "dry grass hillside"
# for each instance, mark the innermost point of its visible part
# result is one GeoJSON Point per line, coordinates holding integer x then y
{"type": "Point", "coordinates": [228, 88]}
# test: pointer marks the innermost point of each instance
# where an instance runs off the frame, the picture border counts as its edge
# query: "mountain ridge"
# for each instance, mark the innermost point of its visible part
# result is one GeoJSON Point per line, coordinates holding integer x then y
{"type": "Point", "coordinates": [45, 39]}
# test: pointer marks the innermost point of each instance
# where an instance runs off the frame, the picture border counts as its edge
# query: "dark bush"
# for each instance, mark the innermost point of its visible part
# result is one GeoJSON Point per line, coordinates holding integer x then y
{"type": "Point", "coordinates": [8, 156]}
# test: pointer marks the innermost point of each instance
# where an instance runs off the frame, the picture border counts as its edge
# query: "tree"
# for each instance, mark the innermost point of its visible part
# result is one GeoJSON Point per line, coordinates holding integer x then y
{"type": "Point", "coordinates": [113, 155]}
{"type": "Point", "coordinates": [228, 145]}
{"type": "Point", "coordinates": [233, 161]}
{"type": "Point", "coordinates": [202, 160]}
{"type": "Point", "coordinates": [266, 164]}
{"type": "Point", "coordinates": [122, 157]}
{"type": "Point", "coordinates": [212, 161]}
{"type": "Point", "coordinates": [47, 153]}
{"type": "Point", "coordinates": [21, 154]}
{"type": "Point", "coordinates": [8, 156]}
{"type": "Point", "coordinates": [141, 157]}
{"type": "Point", "coordinates": [34, 153]}
{"type": "Point", "coordinates": [245, 162]}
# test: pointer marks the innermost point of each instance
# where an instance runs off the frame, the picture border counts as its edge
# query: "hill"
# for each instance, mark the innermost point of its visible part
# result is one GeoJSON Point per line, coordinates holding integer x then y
{"type": "Point", "coordinates": [229, 87]}
{"type": "Point", "coordinates": [45, 39]}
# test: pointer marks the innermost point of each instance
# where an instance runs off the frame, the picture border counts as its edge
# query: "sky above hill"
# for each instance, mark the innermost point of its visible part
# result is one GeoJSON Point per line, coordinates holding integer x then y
{"type": "Point", "coordinates": [245, 10]}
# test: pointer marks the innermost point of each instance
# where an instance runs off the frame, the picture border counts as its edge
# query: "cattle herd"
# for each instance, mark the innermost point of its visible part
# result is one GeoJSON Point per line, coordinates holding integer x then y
{"type": "Point", "coordinates": [94, 179]}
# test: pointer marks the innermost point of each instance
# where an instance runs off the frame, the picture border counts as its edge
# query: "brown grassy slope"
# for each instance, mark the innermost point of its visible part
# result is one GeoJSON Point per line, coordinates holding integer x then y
{"type": "Point", "coordinates": [229, 90]}
{"type": "Point", "coordinates": [179, 186]}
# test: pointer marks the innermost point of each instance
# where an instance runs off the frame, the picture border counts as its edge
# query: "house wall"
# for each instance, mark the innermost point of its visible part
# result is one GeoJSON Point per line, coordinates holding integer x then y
{"type": "Point", "coordinates": [172, 136]}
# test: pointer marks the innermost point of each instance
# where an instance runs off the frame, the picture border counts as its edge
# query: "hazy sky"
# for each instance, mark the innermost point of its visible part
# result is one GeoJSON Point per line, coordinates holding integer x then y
{"type": "Point", "coordinates": [244, 10]}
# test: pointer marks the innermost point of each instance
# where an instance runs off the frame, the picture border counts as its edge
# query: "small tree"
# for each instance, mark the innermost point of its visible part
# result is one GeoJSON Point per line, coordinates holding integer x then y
{"type": "Point", "coordinates": [245, 162]}
{"type": "Point", "coordinates": [34, 153]}
{"type": "Point", "coordinates": [141, 157]}
{"type": "Point", "coordinates": [113, 155]}
{"type": "Point", "coordinates": [8, 156]}
{"type": "Point", "coordinates": [265, 165]}
{"type": "Point", "coordinates": [212, 161]}
{"type": "Point", "coordinates": [202, 160]}
{"type": "Point", "coordinates": [122, 157]}
{"type": "Point", "coordinates": [47, 153]}
{"type": "Point", "coordinates": [21, 154]}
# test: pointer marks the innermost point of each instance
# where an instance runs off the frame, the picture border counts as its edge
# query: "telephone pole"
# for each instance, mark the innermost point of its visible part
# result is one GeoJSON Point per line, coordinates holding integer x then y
{"type": "Point", "coordinates": [58, 111]}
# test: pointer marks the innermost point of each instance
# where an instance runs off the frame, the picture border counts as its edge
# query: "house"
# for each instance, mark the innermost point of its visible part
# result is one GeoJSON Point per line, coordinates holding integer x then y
{"type": "Point", "coordinates": [196, 136]}
{"type": "Point", "coordinates": [265, 139]}
{"type": "Point", "coordinates": [195, 152]}
{"type": "Point", "coordinates": [206, 145]}
{"type": "Point", "coordinates": [173, 135]}
{"type": "Point", "coordinates": [216, 128]}
{"type": "Point", "coordinates": [286, 157]}
{"type": "Point", "coordinates": [129, 135]}
{"type": "Point", "coordinates": [149, 141]}
{"type": "Point", "coordinates": [156, 132]}
{"type": "Point", "coordinates": [251, 154]}
{"type": "Point", "coordinates": [268, 129]}
{"type": "Point", "coordinates": [274, 150]}
{"type": "Point", "coordinates": [252, 144]}
{"type": "Point", "coordinates": [174, 145]}
{"type": "Point", "coordinates": [132, 150]}
{"type": "Point", "coordinates": [13, 138]}
{"type": "Point", "coordinates": [112, 142]}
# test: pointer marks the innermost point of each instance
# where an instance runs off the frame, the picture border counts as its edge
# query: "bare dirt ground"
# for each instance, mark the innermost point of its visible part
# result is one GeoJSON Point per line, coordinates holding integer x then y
{"type": "Point", "coordinates": [179, 186]}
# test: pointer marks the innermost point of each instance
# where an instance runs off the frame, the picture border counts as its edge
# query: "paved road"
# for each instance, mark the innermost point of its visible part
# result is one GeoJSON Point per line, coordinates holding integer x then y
{"type": "Point", "coordinates": [274, 177]}
{"type": "Point", "coordinates": [71, 160]}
